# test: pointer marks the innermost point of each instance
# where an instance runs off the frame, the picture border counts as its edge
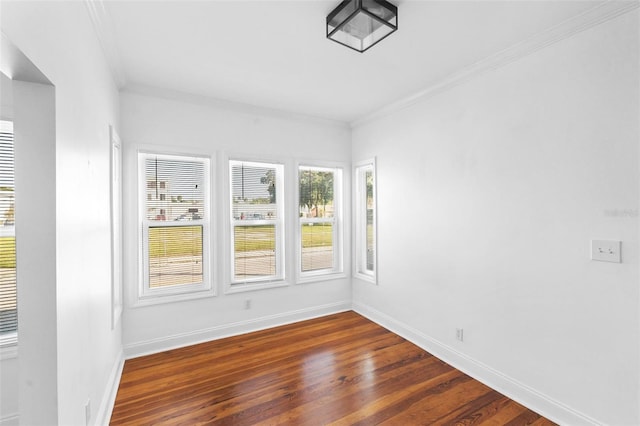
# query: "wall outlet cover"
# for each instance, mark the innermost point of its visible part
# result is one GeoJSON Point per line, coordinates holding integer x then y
{"type": "Point", "coordinates": [606, 251]}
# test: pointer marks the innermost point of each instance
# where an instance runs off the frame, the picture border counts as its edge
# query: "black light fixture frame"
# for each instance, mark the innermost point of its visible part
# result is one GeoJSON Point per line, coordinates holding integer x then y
{"type": "Point", "coordinates": [360, 8]}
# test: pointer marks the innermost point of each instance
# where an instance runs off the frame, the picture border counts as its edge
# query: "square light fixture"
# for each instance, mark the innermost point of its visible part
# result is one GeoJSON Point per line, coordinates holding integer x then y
{"type": "Point", "coordinates": [359, 24]}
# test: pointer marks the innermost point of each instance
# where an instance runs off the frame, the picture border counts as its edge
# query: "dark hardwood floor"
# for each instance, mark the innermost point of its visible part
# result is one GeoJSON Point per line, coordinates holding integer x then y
{"type": "Point", "coordinates": [341, 369]}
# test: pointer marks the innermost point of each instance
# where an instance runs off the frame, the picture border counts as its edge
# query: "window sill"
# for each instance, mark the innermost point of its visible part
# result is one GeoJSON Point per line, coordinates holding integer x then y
{"type": "Point", "coordinates": [151, 300]}
{"type": "Point", "coordinates": [366, 277]}
{"type": "Point", "coordinates": [246, 287]}
{"type": "Point", "coordinates": [329, 276]}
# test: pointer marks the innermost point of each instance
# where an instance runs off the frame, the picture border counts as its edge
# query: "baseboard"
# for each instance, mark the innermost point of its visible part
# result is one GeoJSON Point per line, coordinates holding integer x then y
{"type": "Point", "coordinates": [109, 399]}
{"type": "Point", "coordinates": [226, 330]}
{"type": "Point", "coordinates": [519, 392]}
{"type": "Point", "coordinates": [12, 420]}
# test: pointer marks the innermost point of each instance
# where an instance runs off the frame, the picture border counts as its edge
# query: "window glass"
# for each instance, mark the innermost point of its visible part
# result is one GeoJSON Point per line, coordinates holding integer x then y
{"type": "Point", "coordinates": [365, 221]}
{"type": "Point", "coordinates": [319, 213]}
{"type": "Point", "coordinates": [256, 221]}
{"type": "Point", "coordinates": [175, 224]}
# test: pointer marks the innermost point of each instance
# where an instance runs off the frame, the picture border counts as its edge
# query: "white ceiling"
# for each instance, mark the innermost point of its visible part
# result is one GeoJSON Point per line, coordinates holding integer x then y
{"type": "Point", "coordinates": [274, 54]}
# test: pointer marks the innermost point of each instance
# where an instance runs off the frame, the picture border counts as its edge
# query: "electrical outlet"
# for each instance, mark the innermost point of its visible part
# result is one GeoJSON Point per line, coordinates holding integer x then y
{"type": "Point", "coordinates": [87, 412]}
{"type": "Point", "coordinates": [460, 334]}
{"type": "Point", "coordinates": [606, 251]}
{"type": "Point", "coordinates": [247, 304]}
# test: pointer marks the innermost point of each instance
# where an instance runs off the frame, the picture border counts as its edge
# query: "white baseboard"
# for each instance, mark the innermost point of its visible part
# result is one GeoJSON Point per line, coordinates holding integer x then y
{"type": "Point", "coordinates": [226, 330]}
{"type": "Point", "coordinates": [12, 420]}
{"type": "Point", "coordinates": [519, 392]}
{"type": "Point", "coordinates": [109, 399]}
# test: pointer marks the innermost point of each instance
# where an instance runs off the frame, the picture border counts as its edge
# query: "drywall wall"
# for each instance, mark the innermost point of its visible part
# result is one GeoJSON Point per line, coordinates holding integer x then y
{"type": "Point", "coordinates": [34, 131]}
{"type": "Point", "coordinates": [86, 103]}
{"type": "Point", "coordinates": [488, 197]}
{"type": "Point", "coordinates": [166, 122]}
{"type": "Point", "coordinates": [8, 361]}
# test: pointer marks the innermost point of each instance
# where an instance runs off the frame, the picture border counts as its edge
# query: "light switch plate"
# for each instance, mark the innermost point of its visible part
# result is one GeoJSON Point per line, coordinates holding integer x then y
{"type": "Point", "coordinates": [606, 251]}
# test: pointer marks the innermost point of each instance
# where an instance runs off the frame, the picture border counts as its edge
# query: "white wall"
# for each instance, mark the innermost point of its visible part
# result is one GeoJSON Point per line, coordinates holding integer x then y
{"type": "Point", "coordinates": [219, 129]}
{"type": "Point", "coordinates": [34, 131]}
{"type": "Point", "coordinates": [488, 197]}
{"type": "Point", "coordinates": [70, 56]}
{"type": "Point", "coordinates": [8, 363]}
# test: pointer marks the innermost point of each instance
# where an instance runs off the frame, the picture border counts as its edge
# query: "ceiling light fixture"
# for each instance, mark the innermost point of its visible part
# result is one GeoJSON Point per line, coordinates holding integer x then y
{"type": "Point", "coordinates": [359, 24]}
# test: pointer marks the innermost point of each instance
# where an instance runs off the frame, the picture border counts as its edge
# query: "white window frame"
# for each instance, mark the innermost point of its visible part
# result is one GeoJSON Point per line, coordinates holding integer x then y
{"type": "Point", "coordinates": [337, 271]}
{"type": "Point", "coordinates": [147, 295]}
{"type": "Point", "coordinates": [360, 270]}
{"type": "Point", "coordinates": [279, 278]}
{"type": "Point", "coordinates": [116, 227]}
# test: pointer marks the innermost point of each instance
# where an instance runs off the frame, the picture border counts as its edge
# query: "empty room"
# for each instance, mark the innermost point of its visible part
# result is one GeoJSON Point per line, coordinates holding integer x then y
{"type": "Point", "coordinates": [311, 212]}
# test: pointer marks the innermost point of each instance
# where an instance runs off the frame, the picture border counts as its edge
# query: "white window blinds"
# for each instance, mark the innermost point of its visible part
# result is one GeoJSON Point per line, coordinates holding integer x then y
{"type": "Point", "coordinates": [8, 282]}
{"type": "Point", "coordinates": [175, 189]}
{"type": "Point", "coordinates": [256, 221]}
{"type": "Point", "coordinates": [174, 220]}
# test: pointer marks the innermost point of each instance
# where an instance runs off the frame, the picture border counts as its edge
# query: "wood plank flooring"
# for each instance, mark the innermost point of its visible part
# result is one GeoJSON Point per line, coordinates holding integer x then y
{"type": "Point", "coordinates": [340, 369]}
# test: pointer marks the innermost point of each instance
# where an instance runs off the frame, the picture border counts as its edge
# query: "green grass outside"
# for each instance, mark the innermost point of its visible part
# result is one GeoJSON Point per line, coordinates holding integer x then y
{"type": "Point", "coordinates": [175, 241]}
{"type": "Point", "coordinates": [252, 238]}
{"type": "Point", "coordinates": [317, 235]}
{"type": "Point", "coordinates": [187, 240]}
{"type": "Point", "coordinates": [7, 252]}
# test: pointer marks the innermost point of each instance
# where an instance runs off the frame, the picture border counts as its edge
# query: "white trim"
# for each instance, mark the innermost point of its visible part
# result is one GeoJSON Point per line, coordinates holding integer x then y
{"type": "Point", "coordinates": [592, 17]}
{"type": "Point", "coordinates": [145, 296]}
{"type": "Point", "coordinates": [103, 27]}
{"type": "Point", "coordinates": [359, 201]}
{"type": "Point", "coordinates": [279, 223]}
{"type": "Point", "coordinates": [153, 346]}
{"type": "Point", "coordinates": [309, 279]}
{"type": "Point", "coordinates": [338, 221]}
{"type": "Point", "coordinates": [519, 392]}
{"type": "Point", "coordinates": [243, 287]}
{"type": "Point", "coordinates": [115, 189]}
{"type": "Point", "coordinates": [10, 420]}
{"type": "Point", "coordinates": [103, 416]}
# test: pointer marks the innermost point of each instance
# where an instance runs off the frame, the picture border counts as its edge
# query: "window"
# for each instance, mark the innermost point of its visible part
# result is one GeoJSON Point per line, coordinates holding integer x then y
{"type": "Point", "coordinates": [320, 221]}
{"type": "Point", "coordinates": [257, 222]}
{"type": "Point", "coordinates": [175, 222]}
{"type": "Point", "coordinates": [365, 221]}
{"type": "Point", "coordinates": [8, 278]}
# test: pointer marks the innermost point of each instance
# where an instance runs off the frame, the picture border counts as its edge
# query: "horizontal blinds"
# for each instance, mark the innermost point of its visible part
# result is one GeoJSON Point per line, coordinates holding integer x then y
{"type": "Point", "coordinates": [174, 189]}
{"type": "Point", "coordinates": [174, 197]}
{"type": "Point", "coordinates": [8, 282]}
{"type": "Point", "coordinates": [175, 255]}
{"type": "Point", "coordinates": [253, 191]}
{"type": "Point", "coordinates": [254, 211]}
{"type": "Point", "coordinates": [317, 242]}
{"type": "Point", "coordinates": [255, 251]}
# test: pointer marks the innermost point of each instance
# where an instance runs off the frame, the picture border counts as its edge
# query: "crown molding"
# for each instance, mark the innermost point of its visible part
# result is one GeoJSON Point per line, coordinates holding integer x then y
{"type": "Point", "coordinates": [208, 101]}
{"type": "Point", "coordinates": [588, 19]}
{"type": "Point", "coordinates": [103, 27]}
